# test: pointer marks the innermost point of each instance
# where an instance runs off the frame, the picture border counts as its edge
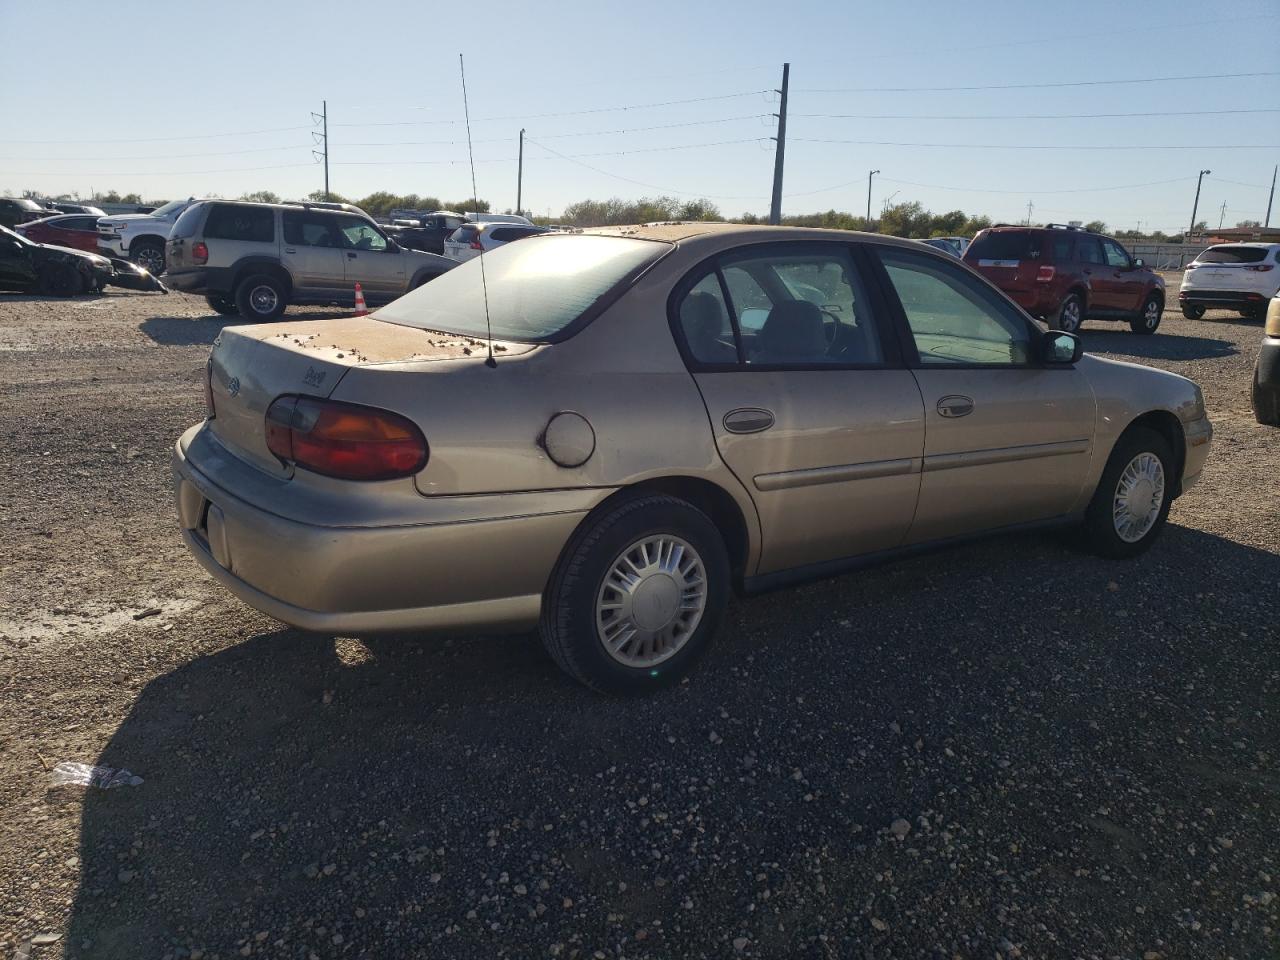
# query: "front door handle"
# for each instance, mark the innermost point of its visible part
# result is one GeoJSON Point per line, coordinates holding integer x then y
{"type": "Point", "coordinates": [955, 406]}
{"type": "Point", "coordinates": [350, 256]}
{"type": "Point", "coordinates": [748, 420]}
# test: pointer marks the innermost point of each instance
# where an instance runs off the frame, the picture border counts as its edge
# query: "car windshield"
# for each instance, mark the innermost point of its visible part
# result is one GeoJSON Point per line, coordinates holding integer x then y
{"type": "Point", "coordinates": [535, 288]}
{"type": "Point", "coordinates": [168, 208]}
{"type": "Point", "coordinates": [1003, 245]}
{"type": "Point", "coordinates": [1233, 255]}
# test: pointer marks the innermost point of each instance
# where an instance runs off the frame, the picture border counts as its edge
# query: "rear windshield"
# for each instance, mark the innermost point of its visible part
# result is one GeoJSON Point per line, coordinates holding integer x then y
{"type": "Point", "coordinates": [1004, 245]}
{"type": "Point", "coordinates": [536, 289]}
{"type": "Point", "coordinates": [1234, 255]}
{"type": "Point", "coordinates": [464, 234]}
{"type": "Point", "coordinates": [185, 226]}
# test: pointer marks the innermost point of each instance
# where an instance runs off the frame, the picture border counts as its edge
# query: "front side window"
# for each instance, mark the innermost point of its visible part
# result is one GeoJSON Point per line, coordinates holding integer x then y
{"type": "Point", "coordinates": [360, 234]}
{"type": "Point", "coordinates": [228, 222]}
{"type": "Point", "coordinates": [954, 318]}
{"type": "Point", "coordinates": [1115, 254]}
{"type": "Point", "coordinates": [309, 230]}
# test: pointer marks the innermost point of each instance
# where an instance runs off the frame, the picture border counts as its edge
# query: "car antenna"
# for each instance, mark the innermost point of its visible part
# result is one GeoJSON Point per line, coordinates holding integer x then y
{"type": "Point", "coordinates": [475, 202]}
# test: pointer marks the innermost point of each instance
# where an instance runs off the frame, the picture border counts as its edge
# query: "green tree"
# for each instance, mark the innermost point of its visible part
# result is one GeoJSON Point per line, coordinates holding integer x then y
{"type": "Point", "coordinates": [261, 196]}
{"type": "Point", "coordinates": [1096, 226]}
{"type": "Point", "coordinates": [1249, 223]}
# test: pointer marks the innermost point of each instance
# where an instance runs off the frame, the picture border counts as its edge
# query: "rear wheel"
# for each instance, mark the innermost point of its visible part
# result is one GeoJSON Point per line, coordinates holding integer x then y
{"type": "Point", "coordinates": [61, 280]}
{"type": "Point", "coordinates": [1193, 313]}
{"type": "Point", "coordinates": [150, 255]}
{"type": "Point", "coordinates": [223, 305]}
{"type": "Point", "coordinates": [1149, 319]}
{"type": "Point", "coordinates": [1070, 314]}
{"type": "Point", "coordinates": [1253, 313]}
{"type": "Point", "coordinates": [1131, 503]}
{"type": "Point", "coordinates": [260, 298]}
{"type": "Point", "coordinates": [637, 596]}
{"type": "Point", "coordinates": [1266, 404]}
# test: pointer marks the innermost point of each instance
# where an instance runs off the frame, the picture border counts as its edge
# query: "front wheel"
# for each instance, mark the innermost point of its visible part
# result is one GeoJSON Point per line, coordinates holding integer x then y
{"type": "Point", "coordinates": [1193, 313]}
{"type": "Point", "coordinates": [637, 596]}
{"type": "Point", "coordinates": [1149, 319]}
{"type": "Point", "coordinates": [61, 280]}
{"type": "Point", "coordinates": [1070, 314]}
{"type": "Point", "coordinates": [260, 298]}
{"type": "Point", "coordinates": [149, 255]}
{"type": "Point", "coordinates": [1266, 404]}
{"type": "Point", "coordinates": [1131, 504]}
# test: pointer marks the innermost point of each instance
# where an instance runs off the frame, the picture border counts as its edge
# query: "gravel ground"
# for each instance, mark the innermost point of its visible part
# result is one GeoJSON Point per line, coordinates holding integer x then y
{"type": "Point", "coordinates": [1009, 749]}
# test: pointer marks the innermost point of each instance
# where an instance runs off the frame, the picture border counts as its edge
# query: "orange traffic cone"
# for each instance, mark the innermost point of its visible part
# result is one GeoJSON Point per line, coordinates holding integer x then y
{"type": "Point", "coordinates": [361, 309]}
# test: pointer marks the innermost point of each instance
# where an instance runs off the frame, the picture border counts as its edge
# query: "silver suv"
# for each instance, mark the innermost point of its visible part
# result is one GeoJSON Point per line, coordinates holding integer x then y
{"type": "Point", "coordinates": [257, 258]}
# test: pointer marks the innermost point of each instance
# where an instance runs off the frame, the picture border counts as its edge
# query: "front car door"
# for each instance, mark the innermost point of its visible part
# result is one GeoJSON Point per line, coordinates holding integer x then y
{"type": "Point", "coordinates": [314, 255]}
{"type": "Point", "coordinates": [370, 260]}
{"type": "Point", "coordinates": [810, 404]}
{"type": "Point", "coordinates": [16, 271]}
{"type": "Point", "coordinates": [1008, 440]}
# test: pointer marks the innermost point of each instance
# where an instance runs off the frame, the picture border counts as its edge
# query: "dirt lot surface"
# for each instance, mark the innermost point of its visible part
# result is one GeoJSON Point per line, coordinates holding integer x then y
{"type": "Point", "coordinates": [1009, 749]}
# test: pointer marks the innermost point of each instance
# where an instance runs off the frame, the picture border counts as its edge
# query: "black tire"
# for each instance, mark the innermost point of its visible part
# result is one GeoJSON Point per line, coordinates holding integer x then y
{"type": "Point", "coordinates": [148, 254]}
{"type": "Point", "coordinates": [61, 280]}
{"type": "Point", "coordinates": [569, 622]}
{"type": "Point", "coordinates": [260, 298]}
{"type": "Point", "coordinates": [1193, 313]}
{"type": "Point", "coordinates": [223, 305]}
{"type": "Point", "coordinates": [1266, 405]}
{"type": "Point", "coordinates": [1253, 313]}
{"type": "Point", "coordinates": [1100, 527]}
{"type": "Point", "coordinates": [1070, 315]}
{"type": "Point", "coordinates": [1148, 320]}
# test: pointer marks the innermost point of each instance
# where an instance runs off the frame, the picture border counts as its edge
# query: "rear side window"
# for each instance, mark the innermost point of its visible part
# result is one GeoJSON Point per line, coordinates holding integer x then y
{"type": "Point", "coordinates": [188, 222]}
{"type": "Point", "coordinates": [704, 321]}
{"type": "Point", "coordinates": [502, 235]}
{"type": "Point", "coordinates": [1233, 255]}
{"type": "Point", "coordinates": [1005, 245]}
{"type": "Point", "coordinates": [1062, 249]}
{"type": "Point", "coordinates": [464, 234]}
{"type": "Point", "coordinates": [309, 230]}
{"type": "Point", "coordinates": [1089, 250]}
{"type": "Point", "coordinates": [253, 224]}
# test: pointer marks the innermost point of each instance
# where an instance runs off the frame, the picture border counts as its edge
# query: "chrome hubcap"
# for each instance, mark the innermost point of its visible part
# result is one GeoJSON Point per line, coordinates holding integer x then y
{"type": "Point", "coordinates": [1153, 314]}
{"type": "Point", "coordinates": [651, 600]}
{"type": "Point", "coordinates": [263, 299]}
{"type": "Point", "coordinates": [1139, 497]}
{"type": "Point", "coordinates": [151, 260]}
{"type": "Point", "coordinates": [1071, 316]}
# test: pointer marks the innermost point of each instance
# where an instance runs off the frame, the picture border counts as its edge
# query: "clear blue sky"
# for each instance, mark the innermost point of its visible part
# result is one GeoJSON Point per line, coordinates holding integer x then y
{"type": "Point", "coordinates": [389, 70]}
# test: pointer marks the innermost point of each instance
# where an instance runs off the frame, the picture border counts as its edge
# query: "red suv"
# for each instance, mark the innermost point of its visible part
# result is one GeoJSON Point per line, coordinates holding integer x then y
{"type": "Point", "coordinates": [1064, 274]}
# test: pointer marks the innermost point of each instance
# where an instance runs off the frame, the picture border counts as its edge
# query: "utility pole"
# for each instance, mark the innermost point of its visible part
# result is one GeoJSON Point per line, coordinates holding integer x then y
{"type": "Point", "coordinates": [870, 174]}
{"type": "Point", "coordinates": [1030, 206]}
{"type": "Point", "coordinates": [1195, 206]}
{"type": "Point", "coordinates": [775, 207]}
{"type": "Point", "coordinates": [520, 175]}
{"type": "Point", "coordinates": [322, 118]}
{"type": "Point", "coordinates": [1223, 215]}
{"type": "Point", "coordinates": [1272, 195]}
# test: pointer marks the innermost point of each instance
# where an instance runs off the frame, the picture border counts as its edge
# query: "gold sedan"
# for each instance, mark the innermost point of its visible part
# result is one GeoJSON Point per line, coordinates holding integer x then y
{"type": "Point", "coordinates": [603, 434]}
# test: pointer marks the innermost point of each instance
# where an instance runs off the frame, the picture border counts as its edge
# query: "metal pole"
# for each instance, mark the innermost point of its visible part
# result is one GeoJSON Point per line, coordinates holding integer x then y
{"type": "Point", "coordinates": [870, 174]}
{"type": "Point", "coordinates": [1223, 215]}
{"type": "Point", "coordinates": [775, 207]}
{"type": "Point", "coordinates": [325, 114]}
{"type": "Point", "coordinates": [520, 175]}
{"type": "Point", "coordinates": [1272, 195]}
{"type": "Point", "coordinates": [1195, 206]}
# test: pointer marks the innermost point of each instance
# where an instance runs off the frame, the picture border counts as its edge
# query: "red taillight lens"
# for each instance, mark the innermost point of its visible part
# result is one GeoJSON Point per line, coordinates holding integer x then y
{"type": "Point", "coordinates": [344, 440]}
{"type": "Point", "coordinates": [208, 388]}
{"type": "Point", "coordinates": [1261, 268]}
{"type": "Point", "coordinates": [1045, 274]}
{"type": "Point", "coordinates": [200, 253]}
{"type": "Point", "coordinates": [475, 244]}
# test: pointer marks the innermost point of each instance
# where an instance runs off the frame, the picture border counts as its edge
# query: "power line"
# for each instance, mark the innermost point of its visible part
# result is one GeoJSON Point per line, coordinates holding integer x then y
{"type": "Point", "coordinates": [1024, 192]}
{"type": "Point", "coordinates": [150, 173]}
{"type": "Point", "coordinates": [558, 136]}
{"type": "Point", "coordinates": [1041, 86]}
{"type": "Point", "coordinates": [1028, 116]}
{"type": "Point", "coordinates": [1049, 146]}
{"type": "Point", "coordinates": [196, 136]}
{"type": "Point", "coordinates": [170, 156]}
{"type": "Point", "coordinates": [574, 156]}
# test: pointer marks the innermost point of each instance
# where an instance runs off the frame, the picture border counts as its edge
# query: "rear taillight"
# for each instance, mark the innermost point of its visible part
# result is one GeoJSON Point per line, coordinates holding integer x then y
{"type": "Point", "coordinates": [200, 253]}
{"type": "Point", "coordinates": [1260, 268]}
{"type": "Point", "coordinates": [475, 244]}
{"type": "Point", "coordinates": [208, 388]}
{"type": "Point", "coordinates": [344, 440]}
{"type": "Point", "coordinates": [1045, 274]}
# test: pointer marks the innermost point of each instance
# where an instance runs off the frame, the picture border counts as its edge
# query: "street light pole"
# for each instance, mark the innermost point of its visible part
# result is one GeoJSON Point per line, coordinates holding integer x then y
{"type": "Point", "coordinates": [1195, 206]}
{"type": "Point", "coordinates": [869, 176]}
{"type": "Point", "coordinates": [775, 204]}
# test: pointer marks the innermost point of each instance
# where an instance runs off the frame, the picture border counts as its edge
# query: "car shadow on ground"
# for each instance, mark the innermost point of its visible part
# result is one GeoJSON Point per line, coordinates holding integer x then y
{"type": "Point", "coordinates": [192, 331]}
{"type": "Point", "coordinates": [369, 793]}
{"type": "Point", "coordinates": [1160, 346]}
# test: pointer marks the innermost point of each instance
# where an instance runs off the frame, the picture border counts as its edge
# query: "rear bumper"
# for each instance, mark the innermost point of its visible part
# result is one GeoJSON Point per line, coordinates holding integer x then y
{"type": "Point", "coordinates": [461, 566]}
{"type": "Point", "coordinates": [204, 280]}
{"type": "Point", "coordinates": [1039, 302]}
{"type": "Point", "coordinates": [1222, 299]}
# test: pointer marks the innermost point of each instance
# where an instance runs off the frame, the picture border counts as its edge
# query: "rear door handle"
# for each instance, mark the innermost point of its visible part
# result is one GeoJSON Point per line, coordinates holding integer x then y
{"type": "Point", "coordinates": [955, 406]}
{"type": "Point", "coordinates": [748, 420]}
{"type": "Point", "coordinates": [350, 256]}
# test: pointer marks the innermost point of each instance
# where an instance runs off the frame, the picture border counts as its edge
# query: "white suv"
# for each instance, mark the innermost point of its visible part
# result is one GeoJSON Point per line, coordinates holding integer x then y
{"type": "Point", "coordinates": [141, 237]}
{"type": "Point", "coordinates": [1231, 276]}
{"type": "Point", "coordinates": [472, 239]}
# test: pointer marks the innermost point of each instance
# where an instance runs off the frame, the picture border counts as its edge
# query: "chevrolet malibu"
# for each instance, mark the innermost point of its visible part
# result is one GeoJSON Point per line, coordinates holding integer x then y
{"type": "Point", "coordinates": [602, 435]}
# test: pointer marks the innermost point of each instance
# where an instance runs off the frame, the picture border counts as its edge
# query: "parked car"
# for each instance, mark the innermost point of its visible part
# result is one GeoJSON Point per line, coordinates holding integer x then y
{"type": "Point", "coordinates": [141, 237]}
{"type": "Point", "coordinates": [82, 208]}
{"type": "Point", "coordinates": [66, 230]}
{"type": "Point", "coordinates": [944, 244]}
{"type": "Point", "coordinates": [1065, 275]}
{"type": "Point", "coordinates": [499, 218]}
{"type": "Point", "coordinates": [257, 258]}
{"type": "Point", "coordinates": [472, 239]}
{"type": "Point", "coordinates": [1266, 370]}
{"type": "Point", "coordinates": [62, 271]}
{"type": "Point", "coordinates": [428, 233]}
{"type": "Point", "coordinates": [1231, 276]}
{"type": "Point", "coordinates": [667, 417]}
{"type": "Point", "coordinates": [16, 210]}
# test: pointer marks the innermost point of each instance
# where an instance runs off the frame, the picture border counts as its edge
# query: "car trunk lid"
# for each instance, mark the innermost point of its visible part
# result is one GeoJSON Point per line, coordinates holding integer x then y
{"type": "Point", "coordinates": [253, 365]}
{"type": "Point", "coordinates": [1011, 260]}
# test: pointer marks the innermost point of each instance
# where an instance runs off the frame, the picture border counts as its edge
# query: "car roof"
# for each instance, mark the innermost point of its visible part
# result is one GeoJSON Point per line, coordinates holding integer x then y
{"type": "Point", "coordinates": [720, 235]}
{"type": "Point", "coordinates": [1245, 243]}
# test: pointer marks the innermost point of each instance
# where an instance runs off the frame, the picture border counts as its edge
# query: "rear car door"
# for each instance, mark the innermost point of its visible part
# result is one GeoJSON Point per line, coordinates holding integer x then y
{"type": "Point", "coordinates": [369, 259]}
{"type": "Point", "coordinates": [313, 253]}
{"type": "Point", "coordinates": [1124, 285]}
{"type": "Point", "coordinates": [809, 402]}
{"type": "Point", "coordinates": [1094, 269]}
{"type": "Point", "coordinates": [1007, 439]}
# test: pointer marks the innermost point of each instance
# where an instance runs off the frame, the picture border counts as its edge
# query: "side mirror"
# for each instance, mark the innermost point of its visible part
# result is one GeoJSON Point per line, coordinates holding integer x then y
{"type": "Point", "coordinates": [1138, 263]}
{"type": "Point", "coordinates": [1058, 347]}
{"type": "Point", "coordinates": [392, 246]}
